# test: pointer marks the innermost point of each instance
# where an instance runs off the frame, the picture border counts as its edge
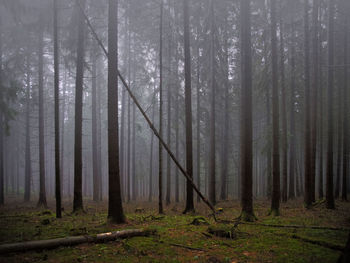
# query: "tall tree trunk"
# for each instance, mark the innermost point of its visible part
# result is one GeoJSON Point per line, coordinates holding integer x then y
{"type": "Point", "coordinates": [284, 114]}
{"type": "Point", "coordinates": [268, 110]}
{"type": "Point", "coordinates": [225, 139]}
{"type": "Point", "coordinates": [169, 95]}
{"type": "Point", "coordinates": [292, 142]}
{"type": "Point", "coordinates": [134, 190]}
{"type": "Point", "coordinates": [62, 146]}
{"type": "Point", "coordinates": [329, 183]}
{"type": "Point", "coordinates": [188, 109]}
{"type": "Point", "coordinates": [177, 120]}
{"type": "Point", "coordinates": [345, 101]}
{"type": "Point", "coordinates": [212, 185]}
{"type": "Point", "coordinates": [314, 96]}
{"type": "Point", "coordinates": [150, 193]}
{"type": "Point", "coordinates": [78, 198]}
{"type": "Point", "coordinates": [99, 134]}
{"type": "Point", "coordinates": [246, 114]}
{"type": "Point", "coordinates": [198, 102]}
{"type": "Point", "coordinates": [115, 209]}
{"type": "Point", "coordinates": [321, 121]}
{"type": "Point", "coordinates": [160, 147]}
{"type": "Point", "coordinates": [307, 131]}
{"type": "Point", "coordinates": [42, 191]}
{"type": "Point", "coordinates": [57, 111]}
{"type": "Point", "coordinates": [2, 195]}
{"type": "Point", "coordinates": [339, 139]}
{"type": "Point", "coordinates": [275, 200]}
{"type": "Point", "coordinates": [28, 165]}
{"type": "Point", "coordinates": [95, 164]}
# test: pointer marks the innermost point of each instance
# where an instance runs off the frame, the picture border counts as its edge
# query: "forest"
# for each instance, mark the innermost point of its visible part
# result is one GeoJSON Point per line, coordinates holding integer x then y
{"type": "Point", "coordinates": [174, 130]}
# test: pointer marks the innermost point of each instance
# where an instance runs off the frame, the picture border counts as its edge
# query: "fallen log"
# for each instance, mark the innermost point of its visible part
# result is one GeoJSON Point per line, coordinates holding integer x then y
{"type": "Point", "coordinates": [72, 241]}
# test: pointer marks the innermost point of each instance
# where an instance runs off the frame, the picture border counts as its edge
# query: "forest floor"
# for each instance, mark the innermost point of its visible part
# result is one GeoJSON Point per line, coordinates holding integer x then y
{"type": "Point", "coordinates": [176, 239]}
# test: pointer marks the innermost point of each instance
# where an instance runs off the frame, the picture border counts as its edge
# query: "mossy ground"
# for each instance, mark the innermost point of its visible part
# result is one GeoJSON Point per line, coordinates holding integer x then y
{"type": "Point", "coordinates": [20, 222]}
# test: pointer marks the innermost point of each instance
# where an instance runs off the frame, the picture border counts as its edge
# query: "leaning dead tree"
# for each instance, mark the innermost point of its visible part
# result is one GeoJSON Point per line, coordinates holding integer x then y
{"type": "Point", "coordinates": [149, 122]}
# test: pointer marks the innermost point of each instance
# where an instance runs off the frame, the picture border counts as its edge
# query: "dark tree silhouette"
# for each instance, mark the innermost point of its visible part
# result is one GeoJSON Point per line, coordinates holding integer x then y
{"type": "Point", "coordinates": [188, 109]}
{"type": "Point", "coordinates": [42, 191]}
{"type": "Point", "coordinates": [329, 179]}
{"type": "Point", "coordinates": [78, 165]}
{"type": "Point", "coordinates": [115, 209]}
{"type": "Point", "coordinates": [160, 147]}
{"type": "Point", "coordinates": [246, 114]}
{"type": "Point", "coordinates": [275, 199]}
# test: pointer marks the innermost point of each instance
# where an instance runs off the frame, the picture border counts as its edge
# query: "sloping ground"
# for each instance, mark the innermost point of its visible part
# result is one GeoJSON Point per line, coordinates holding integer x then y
{"type": "Point", "coordinates": [177, 240]}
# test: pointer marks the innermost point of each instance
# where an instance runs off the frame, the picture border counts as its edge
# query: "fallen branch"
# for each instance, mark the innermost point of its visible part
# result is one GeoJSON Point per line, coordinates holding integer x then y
{"type": "Point", "coordinates": [187, 247]}
{"type": "Point", "coordinates": [71, 241]}
{"type": "Point", "coordinates": [182, 246]}
{"type": "Point", "coordinates": [297, 226]}
{"type": "Point", "coordinates": [318, 242]}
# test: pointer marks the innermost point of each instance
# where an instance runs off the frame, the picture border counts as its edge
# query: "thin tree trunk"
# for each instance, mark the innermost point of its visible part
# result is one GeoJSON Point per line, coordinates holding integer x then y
{"type": "Point", "coordinates": [275, 200]}
{"type": "Point", "coordinates": [345, 102]}
{"type": "Point", "coordinates": [177, 120]}
{"type": "Point", "coordinates": [133, 165]}
{"type": "Point", "coordinates": [42, 191]}
{"type": "Point", "coordinates": [151, 155]}
{"type": "Point", "coordinates": [160, 147]}
{"type": "Point", "coordinates": [212, 185]}
{"type": "Point", "coordinates": [225, 139]}
{"type": "Point", "coordinates": [321, 120]}
{"type": "Point", "coordinates": [284, 113]}
{"type": "Point", "coordinates": [169, 96]}
{"type": "Point", "coordinates": [198, 126]}
{"type": "Point", "coordinates": [307, 132]}
{"type": "Point", "coordinates": [57, 111]}
{"type": "Point", "coordinates": [28, 166]}
{"type": "Point", "coordinates": [329, 184]}
{"type": "Point", "coordinates": [314, 95]}
{"type": "Point", "coordinates": [291, 193]}
{"type": "Point", "coordinates": [95, 164]}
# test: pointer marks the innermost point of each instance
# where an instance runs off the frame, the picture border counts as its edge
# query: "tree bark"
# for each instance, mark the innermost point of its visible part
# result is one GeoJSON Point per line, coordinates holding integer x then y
{"type": "Point", "coordinates": [329, 184]}
{"type": "Point", "coordinates": [78, 198]}
{"type": "Point", "coordinates": [95, 164]}
{"type": "Point", "coordinates": [2, 194]}
{"type": "Point", "coordinates": [314, 96]}
{"type": "Point", "coordinates": [28, 165]}
{"type": "Point", "coordinates": [115, 209]}
{"type": "Point", "coordinates": [292, 160]}
{"type": "Point", "coordinates": [275, 200]}
{"type": "Point", "coordinates": [246, 147]}
{"type": "Point", "coordinates": [57, 116]}
{"type": "Point", "coordinates": [345, 104]}
{"type": "Point", "coordinates": [188, 109]}
{"type": "Point", "coordinates": [307, 132]}
{"type": "Point", "coordinates": [169, 97]}
{"type": "Point", "coordinates": [284, 113]}
{"type": "Point", "coordinates": [212, 157]}
{"type": "Point", "coordinates": [160, 148]}
{"type": "Point", "coordinates": [42, 191]}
